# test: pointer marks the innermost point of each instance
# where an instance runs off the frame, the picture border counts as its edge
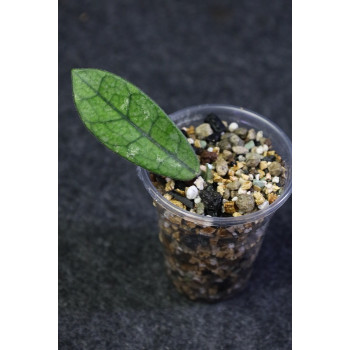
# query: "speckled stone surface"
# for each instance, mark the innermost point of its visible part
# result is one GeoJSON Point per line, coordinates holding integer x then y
{"type": "Point", "coordinates": [113, 291]}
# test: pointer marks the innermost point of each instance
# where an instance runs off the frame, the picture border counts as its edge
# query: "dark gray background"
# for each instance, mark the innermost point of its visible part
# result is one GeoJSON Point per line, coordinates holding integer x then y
{"type": "Point", "coordinates": [113, 291]}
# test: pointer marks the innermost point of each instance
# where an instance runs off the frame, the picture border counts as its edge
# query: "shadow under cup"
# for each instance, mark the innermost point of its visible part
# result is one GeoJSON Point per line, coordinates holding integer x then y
{"type": "Point", "coordinates": [211, 258]}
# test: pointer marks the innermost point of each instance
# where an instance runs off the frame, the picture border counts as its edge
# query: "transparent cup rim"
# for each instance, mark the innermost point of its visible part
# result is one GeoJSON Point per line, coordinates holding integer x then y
{"type": "Point", "coordinates": [222, 221]}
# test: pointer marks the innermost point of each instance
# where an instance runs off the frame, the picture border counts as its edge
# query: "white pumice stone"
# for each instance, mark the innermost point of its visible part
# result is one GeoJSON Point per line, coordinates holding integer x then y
{"type": "Point", "coordinates": [266, 148]}
{"type": "Point", "coordinates": [269, 188]}
{"type": "Point", "coordinates": [257, 176]}
{"type": "Point", "coordinates": [210, 149]}
{"type": "Point", "coordinates": [260, 150]}
{"type": "Point", "coordinates": [259, 135]}
{"type": "Point", "coordinates": [241, 191]}
{"type": "Point", "coordinates": [192, 192]}
{"type": "Point", "coordinates": [234, 199]}
{"type": "Point", "coordinates": [199, 183]}
{"type": "Point", "coordinates": [276, 179]}
{"type": "Point", "coordinates": [232, 127]}
{"type": "Point", "coordinates": [190, 141]}
{"type": "Point", "coordinates": [263, 205]}
{"type": "Point", "coordinates": [210, 166]}
{"type": "Point", "coordinates": [197, 200]}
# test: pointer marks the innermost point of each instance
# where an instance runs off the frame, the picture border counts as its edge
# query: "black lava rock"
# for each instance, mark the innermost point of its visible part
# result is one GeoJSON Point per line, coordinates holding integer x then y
{"type": "Point", "coordinates": [269, 158]}
{"type": "Point", "coordinates": [183, 200]}
{"type": "Point", "coordinates": [160, 179]}
{"type": "Point", "coordinates": [214, 137]}
{"type": "Point", "coordinates": [212, 201]}
{"type": "Point", "coordinates": [197, 150]}
{"type": "Point", "coordinates": [181, 185]}
{"type": "Point", "coordinates": [215, 123]}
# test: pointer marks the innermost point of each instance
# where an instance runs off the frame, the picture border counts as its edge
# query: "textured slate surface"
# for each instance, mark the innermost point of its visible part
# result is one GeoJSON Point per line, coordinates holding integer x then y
{"type": "Point", "coordinates": [113, 291]}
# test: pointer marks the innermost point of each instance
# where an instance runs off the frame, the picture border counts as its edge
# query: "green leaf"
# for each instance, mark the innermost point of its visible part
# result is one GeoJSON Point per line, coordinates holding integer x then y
{"type": "Point", "coordinates": [129, 123]}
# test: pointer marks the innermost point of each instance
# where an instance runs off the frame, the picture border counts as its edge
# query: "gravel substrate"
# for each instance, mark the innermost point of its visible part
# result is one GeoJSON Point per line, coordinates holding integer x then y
{"type": "Point", "coordinates": [207, 262]}
{"type": "Point", "coordinates": [240, 171]}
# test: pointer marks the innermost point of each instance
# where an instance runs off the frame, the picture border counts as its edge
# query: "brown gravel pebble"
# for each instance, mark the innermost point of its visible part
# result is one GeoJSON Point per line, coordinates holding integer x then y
{"type": "Point", "coordinates": [271, 197]}
{"type": "Point", "coordinates": [203, 131]}
{"type": "Point", "coordinates": [221, 167]}
{"type": "Point", "coordinates": [178, 203]}
{"type": "Point", "coordinates": [263, 165]}
{"type": "Point", "coordinates": [259, 198]}
{"type": "Point", "coordinates": [241, 132]}
{"type": "Point", "coordinates": [226, 154]}
{"type": "Point", "coordinates": [246, 185]}
{"type": "Point", "coordinates": [245, 203]}
{"type": "Point", "coordinates": [233, 186]}
{"type": "Point", "coordinates": [229, 207]}
{"type": "Point", "coordinates": [275, 169]}
{"type": "Point", "coordinates": [239, 149]}
{"type": "Point", "coordinates": [225, 145]}
{"type": "Point", "coordinates": [208, 157]}
{"type": "Point", "coordinates": [253, 159]}
{"type": "Point", "coordinates": [268, 142]}
{"type": "Point", "coordinates": [251, 134]}
{"type": "Point", "coordinates": [191, 130]}
{"type": "Point", "coordinates": [236, 140]}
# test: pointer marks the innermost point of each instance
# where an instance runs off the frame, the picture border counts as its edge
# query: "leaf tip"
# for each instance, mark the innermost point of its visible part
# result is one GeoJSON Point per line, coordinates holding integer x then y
{"type": "Point", "coordinates": [74, 72]}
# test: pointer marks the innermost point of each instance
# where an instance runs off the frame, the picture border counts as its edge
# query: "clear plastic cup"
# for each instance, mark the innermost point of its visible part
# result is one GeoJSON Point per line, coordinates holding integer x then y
{"type": "Point", "coordinates": [211, 258]}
